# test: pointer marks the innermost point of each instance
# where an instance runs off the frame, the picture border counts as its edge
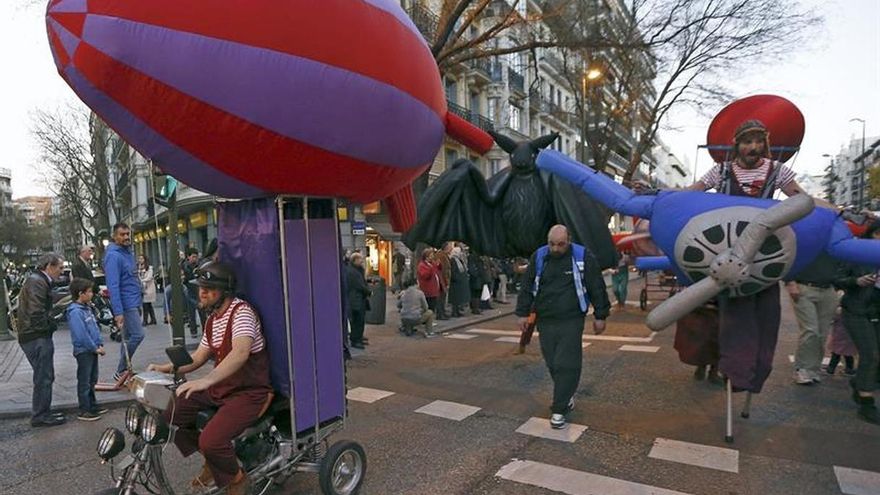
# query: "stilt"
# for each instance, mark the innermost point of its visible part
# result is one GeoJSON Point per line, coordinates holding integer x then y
{"type": "Point", "coordinates": [747, 409]}
{"type": "Point", "coordinates": [728, 437]}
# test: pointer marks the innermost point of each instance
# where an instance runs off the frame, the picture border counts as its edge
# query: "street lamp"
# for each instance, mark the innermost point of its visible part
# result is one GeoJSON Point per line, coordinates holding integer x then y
{"type": "Point", "coordinates": [830, 187]}
{"type": "Point", "coordinates": [590, 74]}
{"type": "Point", "coordinates": [862, 166]}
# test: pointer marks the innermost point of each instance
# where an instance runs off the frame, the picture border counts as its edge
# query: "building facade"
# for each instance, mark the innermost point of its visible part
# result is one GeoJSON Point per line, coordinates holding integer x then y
{"type": "Point", "coordinates": [848, 172]}
{"type": "Point", "coordinates": [5, 192]}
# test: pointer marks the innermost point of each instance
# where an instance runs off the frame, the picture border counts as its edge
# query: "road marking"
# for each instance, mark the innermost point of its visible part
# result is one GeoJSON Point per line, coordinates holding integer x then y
{"type": "Point", "coordinates": [585, 345]}
{"type": "Point", "coordinates": [639, 348]}
{"type": "Point", "coordinates": [609, 338]}
{"type": "Point", "coordinates": [460, 336]}
{"type": "Point", "coordinates": [448, 410]}
{"type": "Point", "coordinates": [510, 340]}
{"type": "Point", "coordinates": [695, 454]}
{"type": "Point", "coordinates": [616, 338]}
{"type": "Point", "coordinates": [368, 395]}
{"type": "Point", "coordinates": [486, 331]}
{"type": "Point", "coordinates": [857, 482]}
{"type": "Point", "coordinates": [540, 427]}
{"type": "Point", "coordinates": [572, 482]}
{"type": "Point", "coordinates": [825, 360]}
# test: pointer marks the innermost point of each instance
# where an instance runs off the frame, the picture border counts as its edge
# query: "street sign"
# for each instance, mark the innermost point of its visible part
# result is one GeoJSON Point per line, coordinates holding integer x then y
{"type": "Point", "coordinates": [358, 228]}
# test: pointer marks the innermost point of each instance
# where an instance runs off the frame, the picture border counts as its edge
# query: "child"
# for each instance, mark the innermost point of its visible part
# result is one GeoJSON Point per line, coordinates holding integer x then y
{"type": "Point", "coordinates": [87, 346]}
{"type": "Point", "coordinates": [840, 344]}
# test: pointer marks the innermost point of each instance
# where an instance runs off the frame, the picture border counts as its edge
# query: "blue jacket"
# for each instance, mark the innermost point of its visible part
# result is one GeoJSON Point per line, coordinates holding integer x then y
{"type": "Point", "coordinates": [84, 331]}
{"type": "Point", "coordinates": [123, 282]}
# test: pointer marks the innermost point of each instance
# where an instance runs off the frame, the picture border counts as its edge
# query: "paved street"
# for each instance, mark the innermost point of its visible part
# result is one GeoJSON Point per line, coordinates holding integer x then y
{"type": "Point", "coordinates": [647, 426]}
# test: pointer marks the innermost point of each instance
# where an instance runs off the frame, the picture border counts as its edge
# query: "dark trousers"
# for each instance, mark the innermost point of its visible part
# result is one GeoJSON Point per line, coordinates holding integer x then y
{"type": "Point", "coordinates": [40, 354]}
{"type": "Point", "coordinates": [440, 309]}
{"type": "Point", "coordinates": [149, 314]}
{"type": "Point", "coordinates": [86, 378]}
{"type": "Point", "coordinates": [865, 334]}
{"type": "Point", "coordinates": [620, 282]}
{"type": "Point", "coordinates": [237, 412]}
{"type": "Point", "coordinates": [356, 321]}
{"type": "Point", "coordinates": [748, 329]}
{"type": "Point", "coordinates": [432, 303]}
{"type": "Point", "coordinates": [563, 355]}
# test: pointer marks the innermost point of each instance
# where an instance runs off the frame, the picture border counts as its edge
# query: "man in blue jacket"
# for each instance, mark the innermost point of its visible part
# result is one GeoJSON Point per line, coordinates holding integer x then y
{"type": "Point", "coordinates": [124, 286]}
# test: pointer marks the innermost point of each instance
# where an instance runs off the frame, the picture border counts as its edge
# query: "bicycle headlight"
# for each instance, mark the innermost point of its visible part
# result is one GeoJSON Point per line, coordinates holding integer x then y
{"type": "Point", "coordinates": [154, 430]}
{"type": "Point", "coordinates": [133, 416]}
{"type": "Point", "coordinates": [110, 444]}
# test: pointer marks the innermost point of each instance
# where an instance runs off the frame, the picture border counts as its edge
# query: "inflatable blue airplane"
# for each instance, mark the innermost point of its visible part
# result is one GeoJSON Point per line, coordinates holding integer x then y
{"type": "Point", "coordinates": [718, 242]}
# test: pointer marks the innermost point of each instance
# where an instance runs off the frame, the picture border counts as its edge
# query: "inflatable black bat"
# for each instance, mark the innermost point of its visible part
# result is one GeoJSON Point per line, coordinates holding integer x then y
{"type": "Point", "coordinates": [510, 214]}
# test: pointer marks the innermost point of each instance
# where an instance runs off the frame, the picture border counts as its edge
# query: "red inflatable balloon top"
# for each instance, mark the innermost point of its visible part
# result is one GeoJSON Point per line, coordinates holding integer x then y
{"type": "Point", "coordinates": [783, 119]}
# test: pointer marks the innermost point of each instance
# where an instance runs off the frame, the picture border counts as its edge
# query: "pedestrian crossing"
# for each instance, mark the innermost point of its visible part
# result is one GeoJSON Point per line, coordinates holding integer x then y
{"type": "Point", "coordinates": [630, 344]}
{"type": "Point", "coordinates": [575, 482]}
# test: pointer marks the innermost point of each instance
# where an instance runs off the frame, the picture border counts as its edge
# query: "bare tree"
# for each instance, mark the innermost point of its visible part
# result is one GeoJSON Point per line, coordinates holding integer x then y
{"type": "Point", "coordinates": [78, 151]}
{"type": "Point", "coordinates": [696, 47]}
{"type": "Point", "coordinates": [654, 54]}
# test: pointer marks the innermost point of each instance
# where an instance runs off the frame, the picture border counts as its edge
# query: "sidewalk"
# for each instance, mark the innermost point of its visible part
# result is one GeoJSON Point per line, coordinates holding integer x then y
{"type": "Point", "coordinates": [16, 377]}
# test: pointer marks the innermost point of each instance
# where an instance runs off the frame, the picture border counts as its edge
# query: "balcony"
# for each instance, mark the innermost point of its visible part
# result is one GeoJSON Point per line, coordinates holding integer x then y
{"type": "Point", "coordinates": [517, 81]}
{"type": "Point", "coordinates": [473, 117]}
{"type": "Point", "coordinates": [483, 68]}
{"type": "Point", "coordinates": [425, 20]}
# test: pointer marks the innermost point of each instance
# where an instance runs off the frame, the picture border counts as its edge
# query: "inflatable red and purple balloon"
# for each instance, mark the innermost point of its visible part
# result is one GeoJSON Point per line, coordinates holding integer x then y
{"type": "Point", "coordinates": [247, 98]}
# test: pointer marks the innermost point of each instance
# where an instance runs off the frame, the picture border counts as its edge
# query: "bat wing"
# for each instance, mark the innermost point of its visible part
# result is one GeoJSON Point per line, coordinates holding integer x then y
{"type": "Point", "coordinates": [460, 206]}
{"type": "Point", "coordinates": [587, 220]}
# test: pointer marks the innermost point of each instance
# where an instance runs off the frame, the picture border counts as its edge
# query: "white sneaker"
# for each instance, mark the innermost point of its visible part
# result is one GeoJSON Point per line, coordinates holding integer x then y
{"type": "Point", "coordinates": [803, 377]}
{"type": "Point", "coordinates": [557, 422]}
{"type": "Point", "coordinates": [814, 376]}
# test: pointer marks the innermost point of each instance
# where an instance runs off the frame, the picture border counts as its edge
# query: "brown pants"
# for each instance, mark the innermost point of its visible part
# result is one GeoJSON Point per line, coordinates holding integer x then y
{"type": "Point", "coordinates": [237, 412]}
{"type": "Point", "coordinates": [749, 327]}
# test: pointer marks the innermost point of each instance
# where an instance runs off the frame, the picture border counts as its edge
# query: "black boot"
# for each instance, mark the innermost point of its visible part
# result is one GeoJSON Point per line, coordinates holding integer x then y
{"type": "Point", "coordinates": [700, 373]}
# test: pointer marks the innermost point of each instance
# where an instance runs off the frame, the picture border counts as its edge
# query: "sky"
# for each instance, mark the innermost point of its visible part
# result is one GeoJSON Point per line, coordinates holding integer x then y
{"type": "Point", "coordinates": [835, 79]}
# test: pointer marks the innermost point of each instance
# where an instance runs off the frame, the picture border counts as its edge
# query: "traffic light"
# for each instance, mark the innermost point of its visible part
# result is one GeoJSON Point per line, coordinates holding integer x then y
{"type": "Point", "coordinates": [164, 189]}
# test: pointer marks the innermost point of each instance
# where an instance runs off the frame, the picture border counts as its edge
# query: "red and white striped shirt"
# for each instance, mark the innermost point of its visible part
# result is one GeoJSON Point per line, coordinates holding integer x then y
{"type": "Point", "coordinates": [246, 324]}
{"type": "Point", "coordinates": [751, 180]}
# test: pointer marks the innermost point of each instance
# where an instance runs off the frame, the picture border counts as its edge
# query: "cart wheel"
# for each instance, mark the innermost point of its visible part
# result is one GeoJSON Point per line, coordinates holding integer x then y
{"type": "Point", "coordinates": [643, 299]}
{"type": "Point", "coordinates": [343, 469]}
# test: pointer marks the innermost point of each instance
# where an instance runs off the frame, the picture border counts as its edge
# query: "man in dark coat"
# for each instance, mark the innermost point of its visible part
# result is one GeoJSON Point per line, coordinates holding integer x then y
{"type": "Point", "coordinates": [82, 266]}
{"type": "Point", "coordinates": [459, 290]}
{"type": "Point", "coordinates": [561, 282]}
{"type": "Point", "coordinates": [358, 292]}
{"type": "Point", "coordinates": [35, 329]}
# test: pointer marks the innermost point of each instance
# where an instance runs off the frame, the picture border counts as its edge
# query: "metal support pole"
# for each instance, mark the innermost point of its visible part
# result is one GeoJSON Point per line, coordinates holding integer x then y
{"type": "Point", "coordinates": [173, 272]}
{"type": "Point", "coordinates": [728, 436]}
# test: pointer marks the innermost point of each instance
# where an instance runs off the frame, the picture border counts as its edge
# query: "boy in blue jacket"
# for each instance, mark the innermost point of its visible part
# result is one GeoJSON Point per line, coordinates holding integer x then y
{"type": "Point", "coordinates": [87, 346]}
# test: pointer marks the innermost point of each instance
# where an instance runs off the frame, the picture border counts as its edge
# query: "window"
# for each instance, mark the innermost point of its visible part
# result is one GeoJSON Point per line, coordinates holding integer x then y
{"type": "Point", "coordinates": [475, 103]}
{"type": "Point", "coordinates": [452, 90]}
{"type": "Point", "coordinates": [451, 157]}
{"type": "Point", "coordinates": [493, 110]}
{"type": "Point", "coordinates": [494, 166]}
{"type": "Point", "coordinates": [514, 118]}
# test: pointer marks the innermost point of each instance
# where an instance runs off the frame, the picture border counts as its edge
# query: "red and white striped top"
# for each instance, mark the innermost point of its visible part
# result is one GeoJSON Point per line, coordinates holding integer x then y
{"type": "Point", "coordinates": [750, 180]}
{"type": "Point", "coordinates": [246, 324]}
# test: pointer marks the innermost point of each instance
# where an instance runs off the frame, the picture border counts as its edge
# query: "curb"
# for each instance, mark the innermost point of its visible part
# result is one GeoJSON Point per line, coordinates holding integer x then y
{"type": "Point", "coordinates": [457, 326]}
{"type": "Point", "coordinates": [72, 408]}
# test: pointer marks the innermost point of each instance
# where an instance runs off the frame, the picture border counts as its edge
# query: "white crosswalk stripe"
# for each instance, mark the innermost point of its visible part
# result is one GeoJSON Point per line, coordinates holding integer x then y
{"type": "Point", "coordinates": [509, 340]}
{"type": "Point", "coordinates": [368, 395]}
{"type": "Point", "coordinates": [448, 410]}
{"type": "Point", "coordinates": [639, 348]}
{"type": "Point", "coordinates": [540, 427]}
{"type": "Point", "coordinates": [606, 338]}
{"type": "Point", "coordinates": [573, 482]}
{"type": "Point", "coordinates": [460, 336]}
{"type": "Point", "coordinates": [695, 454]}
{"type": "Point", "coordinates": [857, 482]}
